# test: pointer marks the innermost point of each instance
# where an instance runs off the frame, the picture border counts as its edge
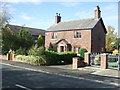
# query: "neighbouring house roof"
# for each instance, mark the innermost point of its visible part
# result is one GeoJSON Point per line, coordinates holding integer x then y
{"type": "Point", "coordinates": [74, 25]}
{"type": "Point", "coordinates": [33, 31]}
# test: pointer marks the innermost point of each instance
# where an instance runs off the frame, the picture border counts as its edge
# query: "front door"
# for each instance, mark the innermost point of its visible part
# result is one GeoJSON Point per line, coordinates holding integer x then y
{"type": "Point", "coordinates": [61, 48]}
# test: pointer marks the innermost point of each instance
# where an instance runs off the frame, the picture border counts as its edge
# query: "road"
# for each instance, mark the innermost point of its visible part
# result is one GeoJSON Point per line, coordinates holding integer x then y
{"type": "Point", "coordinates": [15, 77]}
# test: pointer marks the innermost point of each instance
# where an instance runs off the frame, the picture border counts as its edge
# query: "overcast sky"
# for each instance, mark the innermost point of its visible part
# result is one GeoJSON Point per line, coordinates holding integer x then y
{"type": "Point", "coordinates": [38, 14]}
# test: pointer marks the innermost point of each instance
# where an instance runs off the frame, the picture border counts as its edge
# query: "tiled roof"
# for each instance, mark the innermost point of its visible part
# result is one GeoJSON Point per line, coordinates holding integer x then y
{"type": "Point", "coordinates": [74, 24]}
{"type": "Point", "coordinates": [33, 31]}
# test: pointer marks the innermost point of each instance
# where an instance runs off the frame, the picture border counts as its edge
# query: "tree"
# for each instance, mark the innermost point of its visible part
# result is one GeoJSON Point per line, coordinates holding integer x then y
{"type": "Point", "coordinates": [40, 41]}
{"type": "Point", "coordinates": [4, 18]}
{"type": "Point", "coordinates": [4, 14]}
{"type": "Point", "coordinates": [15, 40]}
{"type": "Point", "coordinates": [7, 39]}
{"type": "Point", "coordinates": [25, 38]}
{"type": "Point", "coordinates": [116, 44]}
{"type": "Point", "coordinates": [110, 38]}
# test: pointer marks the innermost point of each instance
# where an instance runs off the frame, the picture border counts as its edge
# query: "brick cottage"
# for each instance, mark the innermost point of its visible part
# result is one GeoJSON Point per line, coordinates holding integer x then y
{"type": "Point", "coordinates": [73, 35]}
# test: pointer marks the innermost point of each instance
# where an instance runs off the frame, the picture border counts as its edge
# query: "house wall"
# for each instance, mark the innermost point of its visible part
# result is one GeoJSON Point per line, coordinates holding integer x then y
{"type": "Point", "coordinates": [98, 38]}
{"type": "Point", "coordinates": [83, 42]}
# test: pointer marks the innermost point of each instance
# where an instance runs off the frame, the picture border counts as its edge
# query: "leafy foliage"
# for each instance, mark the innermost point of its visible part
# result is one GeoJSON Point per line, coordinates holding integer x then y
{"type": "Point", "coordinates": [53, 48]}
{"type": "Point", "coordinates": [40, 41]}
{"type": "Point", "coordinates": [36, 51]}
{"type": "Point", "coordinates": [115, 51]}
{"type": "Point", "coordinates": [110, 38]}
{"type": "Point", "coordinates": [116, 44]}
{"type": "Point", "coordinates": [35, 60]}
{"type": "Point", "coordinates": [82, 52]}
{"type": "Point", "coordinates": [25, 38]}
{"type": "Point", "coordinates": [52, 57]}
{"type": "Point", "coordinates": [11, 51]}
{"type": "Point", "coordinates": [21, 51]}
{"type": "Point", "coordinates": [4, 14]}
{"type": "Point", "coordinates": [59, 58]}
{"type": "Point", "coordinates": [15, 40]}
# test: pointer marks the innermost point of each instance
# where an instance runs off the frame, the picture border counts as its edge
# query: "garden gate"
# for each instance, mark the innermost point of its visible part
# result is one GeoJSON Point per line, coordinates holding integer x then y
{"type": "Point", "coordinates": [113, 61]}
{"type": "Point", "coordinates": [95, 59]}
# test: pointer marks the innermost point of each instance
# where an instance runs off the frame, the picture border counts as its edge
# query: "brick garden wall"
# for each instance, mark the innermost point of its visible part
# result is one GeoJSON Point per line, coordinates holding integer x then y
{"type": "Point", "coordinates": [4, 57]}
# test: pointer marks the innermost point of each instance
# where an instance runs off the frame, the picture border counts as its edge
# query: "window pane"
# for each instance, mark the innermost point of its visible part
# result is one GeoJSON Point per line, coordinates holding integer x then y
{"type": "Point", "coordinates": [77, 34]}
{"type": "Point", "coordinates": [54, 35]}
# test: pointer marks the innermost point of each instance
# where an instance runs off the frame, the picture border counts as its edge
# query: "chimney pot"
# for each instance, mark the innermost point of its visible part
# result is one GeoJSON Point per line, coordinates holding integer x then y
{"type": "Point", "coordinates": [56, 14]}
{"type": "Point", "coordinates": [57, 18]}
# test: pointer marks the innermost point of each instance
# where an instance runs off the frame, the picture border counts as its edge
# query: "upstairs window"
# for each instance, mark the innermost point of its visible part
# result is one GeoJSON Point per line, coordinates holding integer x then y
{"type": "Point", "coordinates": [77, 34]}
{"type": "Point", "coordinates": [54, 35]}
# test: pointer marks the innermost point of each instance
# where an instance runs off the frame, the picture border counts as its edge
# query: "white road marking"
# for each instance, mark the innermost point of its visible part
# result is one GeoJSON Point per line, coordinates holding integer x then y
{"type": "Point", "coordinates": [20, 86]}
{"type": "Point", "coordinates": [116, 84]}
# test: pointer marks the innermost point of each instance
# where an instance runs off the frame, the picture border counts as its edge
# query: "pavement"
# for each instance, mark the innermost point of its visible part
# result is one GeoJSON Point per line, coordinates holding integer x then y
{"type": "Point", "coordinates": [93, 69]}
{"type": "Point", "coordinates": [89, 73]}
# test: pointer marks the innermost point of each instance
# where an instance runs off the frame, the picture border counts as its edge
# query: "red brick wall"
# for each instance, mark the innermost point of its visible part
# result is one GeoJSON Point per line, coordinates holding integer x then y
{"type": "Point", "coordinates": [84, 42]}
{"type": "Point", "coordinates": [98, 38]}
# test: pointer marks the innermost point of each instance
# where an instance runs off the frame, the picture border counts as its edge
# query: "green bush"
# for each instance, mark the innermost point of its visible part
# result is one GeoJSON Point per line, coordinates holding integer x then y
{"type": "Point", "coordinates": [82, 52]}
{"type": "Point", "coordinates": [21, 51]}
{"type": "Point", "coordinates": [40, 40]}
{"type": "Point", "coordinates": [35, 60]}
{"type": "Point", "coordinates": [14, 40]}
{"type": "Point", "coordinates": [67, 57]}
{"type": "Point", "coordinates": [36, 51]}
{"type": "Point", "coordinates": [11, 51]}
{"type": "Point", "coordinates": [52, 57]}
{"type": "Point", "coordinates": [59, 58]}
{"type": "Point", "coordinates": [53, 48]}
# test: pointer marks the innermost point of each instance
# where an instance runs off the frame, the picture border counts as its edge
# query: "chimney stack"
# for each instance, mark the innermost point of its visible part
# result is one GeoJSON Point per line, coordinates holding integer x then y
{"type": "Point", "coordinates": [57, 18]}
{"type": "Point", "coordinates": [97, 12]}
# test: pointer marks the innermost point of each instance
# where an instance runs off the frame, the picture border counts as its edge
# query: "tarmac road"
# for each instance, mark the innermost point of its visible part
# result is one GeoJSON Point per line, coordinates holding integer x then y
{"type": "Point", "coordinates": [16, 77]}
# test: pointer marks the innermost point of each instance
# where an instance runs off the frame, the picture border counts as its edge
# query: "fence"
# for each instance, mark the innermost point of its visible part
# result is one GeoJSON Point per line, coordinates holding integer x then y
{"type": "Point", "coordinates": [113, 61]}
{"type": "Point", "coordinates": [103, 60]}
{"type": "Point", "coordinates": [95, 59]}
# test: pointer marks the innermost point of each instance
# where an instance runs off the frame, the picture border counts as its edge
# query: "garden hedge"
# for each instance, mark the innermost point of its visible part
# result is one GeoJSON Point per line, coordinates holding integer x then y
{"type": "Point", "coordinates": [59, 57]}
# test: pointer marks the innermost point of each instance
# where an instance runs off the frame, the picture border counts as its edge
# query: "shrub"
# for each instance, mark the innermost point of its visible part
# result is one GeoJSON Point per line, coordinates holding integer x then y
{"type": "Point", "coordinates": [36, 51]}
{"type": "Point", "coordinates": [115, 51]}
{"type": "Point", "coordinates": [36, 60]}
{"type": "Point", "coordinates": [21, 51]}
{"type": "Point", "coordinates": [11, 51]}
{"type": "Point", "coordinates": [52, 57]}
{"type": "Point", "coordinates": [59, 58]}
{"type": "Point", "coordinates": [67, 57]}
{"type": "Point", "coordinates": [40, 41]}
{"type": "Point", "coordinates": [53, 48]}
{"type": "Point", "coordinates": [82, 52]}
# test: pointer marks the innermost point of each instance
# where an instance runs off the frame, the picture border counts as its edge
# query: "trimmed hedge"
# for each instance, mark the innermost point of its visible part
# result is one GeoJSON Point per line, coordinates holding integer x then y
{"type": "Point", "coordinates": [52, 57]}
{"type": "Point", "coordinates": [59, 58]}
